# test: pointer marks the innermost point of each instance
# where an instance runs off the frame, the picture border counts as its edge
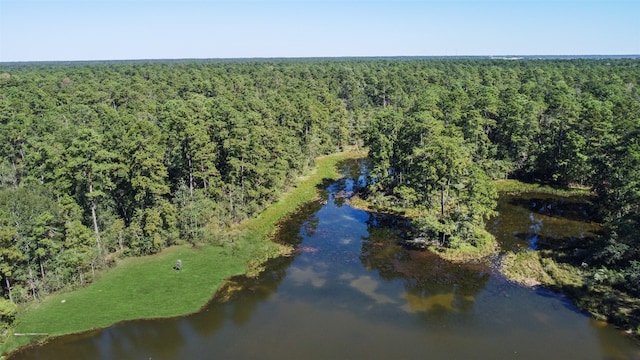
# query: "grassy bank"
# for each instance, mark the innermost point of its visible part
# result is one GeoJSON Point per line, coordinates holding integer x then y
{"type": "Point", "coordinates": [148, 287]}
{"type": "Point", "coordinates": [534, 267]}
{"type": "Point", "coordinates": [511, 186]}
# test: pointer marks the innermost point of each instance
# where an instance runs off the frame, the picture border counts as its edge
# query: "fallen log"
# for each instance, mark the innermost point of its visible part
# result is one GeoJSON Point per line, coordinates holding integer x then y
{"type": "Point", "coordinates": [419, 242]}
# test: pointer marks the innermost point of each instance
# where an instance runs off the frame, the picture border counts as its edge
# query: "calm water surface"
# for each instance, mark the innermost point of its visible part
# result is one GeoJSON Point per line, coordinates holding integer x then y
{"type": "Point", "coordinates": [351, 292]}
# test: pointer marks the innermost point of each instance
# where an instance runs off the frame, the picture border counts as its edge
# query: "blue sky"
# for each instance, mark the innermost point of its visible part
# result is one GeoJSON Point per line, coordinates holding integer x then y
{"type": "Point", "coordinates": [43, 30]}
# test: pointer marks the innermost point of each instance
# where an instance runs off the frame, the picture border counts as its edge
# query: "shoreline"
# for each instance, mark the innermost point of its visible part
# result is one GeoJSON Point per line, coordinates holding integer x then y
{"type": "Point", "coordinates": [536, 268]}
{"type": "Point", "coordinates": [151, 292]}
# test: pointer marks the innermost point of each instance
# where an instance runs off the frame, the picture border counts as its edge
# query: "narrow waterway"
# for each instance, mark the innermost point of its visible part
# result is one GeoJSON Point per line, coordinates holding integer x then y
{"type": "Point", "coordinates": [351, 291]}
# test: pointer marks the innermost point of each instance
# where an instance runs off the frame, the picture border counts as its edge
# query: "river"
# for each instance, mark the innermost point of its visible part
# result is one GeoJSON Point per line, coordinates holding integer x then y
{"type": "Point", "coordinates": [352, 292]}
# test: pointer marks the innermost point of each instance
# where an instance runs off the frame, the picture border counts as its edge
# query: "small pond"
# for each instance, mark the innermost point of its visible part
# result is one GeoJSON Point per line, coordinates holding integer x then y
{"type": "Point", "coordinates": [351, 291]}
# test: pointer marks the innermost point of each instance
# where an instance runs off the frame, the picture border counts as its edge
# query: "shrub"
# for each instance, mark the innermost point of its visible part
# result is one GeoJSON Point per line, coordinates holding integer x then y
{"type": "Point", "coordinates": [8, 311]}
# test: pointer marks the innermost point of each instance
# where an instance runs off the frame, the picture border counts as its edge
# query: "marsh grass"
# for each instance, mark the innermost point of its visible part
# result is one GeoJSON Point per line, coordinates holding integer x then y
{"type": "Point", "coordinates": [532, 268]}
{"type": "Point", "coordinates": [149, 287]}
{"type": "Point", "coordinates": [515, 187]}
{"type": "Point", "coordinates": [485, 245]}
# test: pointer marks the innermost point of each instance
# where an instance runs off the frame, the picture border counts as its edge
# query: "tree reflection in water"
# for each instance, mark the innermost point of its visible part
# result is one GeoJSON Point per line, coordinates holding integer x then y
{"type": "Point", "coordinates": [432, 284]}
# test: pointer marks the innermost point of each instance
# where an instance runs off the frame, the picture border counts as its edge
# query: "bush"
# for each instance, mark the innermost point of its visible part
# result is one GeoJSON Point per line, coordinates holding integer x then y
{"type": "Point", "coordinates": [8, 311]}
{"type": "Point", "coordinates": [20, 293]}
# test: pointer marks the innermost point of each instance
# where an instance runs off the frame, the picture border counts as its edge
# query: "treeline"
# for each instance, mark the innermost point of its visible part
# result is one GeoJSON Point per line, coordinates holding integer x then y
{"type": "Point", "coordinates": [117, 159]}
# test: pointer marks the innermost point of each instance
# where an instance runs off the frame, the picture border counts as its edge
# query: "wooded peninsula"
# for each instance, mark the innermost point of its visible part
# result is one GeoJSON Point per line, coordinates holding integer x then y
{"type": "Point", "coordinates": [108, 160]}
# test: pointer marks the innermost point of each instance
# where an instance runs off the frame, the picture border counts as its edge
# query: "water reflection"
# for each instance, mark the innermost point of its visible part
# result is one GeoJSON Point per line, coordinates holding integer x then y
{"type": "Point", "coordinates": [431, 284]}
{"type": "Point", "coordinates": [551, 222]}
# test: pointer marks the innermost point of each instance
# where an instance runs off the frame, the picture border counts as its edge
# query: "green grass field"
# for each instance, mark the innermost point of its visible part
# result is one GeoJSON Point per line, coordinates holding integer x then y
{"type": "Point", "coordinates": [149, 287]}
{"type": "Point", "coordinates": [144, 287]}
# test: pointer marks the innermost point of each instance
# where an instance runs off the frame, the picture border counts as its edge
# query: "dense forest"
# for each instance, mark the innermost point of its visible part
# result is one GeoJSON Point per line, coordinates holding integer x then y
{"type": "Point", "coordinates": [106, 160]}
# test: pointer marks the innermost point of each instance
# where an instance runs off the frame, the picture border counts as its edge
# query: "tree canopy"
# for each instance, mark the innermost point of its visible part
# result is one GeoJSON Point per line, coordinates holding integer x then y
{"type": "Point", "coordinates": [99, 160]}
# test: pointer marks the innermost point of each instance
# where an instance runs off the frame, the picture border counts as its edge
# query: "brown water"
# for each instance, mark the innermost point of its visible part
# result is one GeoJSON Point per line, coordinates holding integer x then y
{"type": "Point", "coordinates": [352, 292]}
{"type": "Point", "coordinates": [536, 220]}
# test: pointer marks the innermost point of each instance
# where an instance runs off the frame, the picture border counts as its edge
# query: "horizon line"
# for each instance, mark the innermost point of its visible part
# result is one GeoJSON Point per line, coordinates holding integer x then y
{"type": "Point", "coordinates": [266, 58]}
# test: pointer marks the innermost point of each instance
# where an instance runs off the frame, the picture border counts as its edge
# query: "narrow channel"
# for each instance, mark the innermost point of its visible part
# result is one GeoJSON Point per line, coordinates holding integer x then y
{"type": "Point", "coordinates": [351, 291]}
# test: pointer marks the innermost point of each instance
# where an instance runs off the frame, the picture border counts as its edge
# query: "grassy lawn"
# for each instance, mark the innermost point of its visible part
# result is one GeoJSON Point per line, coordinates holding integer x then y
{"type": "Point", "coordinates": [149, 287]}
{"type": "Point", "coordinates": [143, 287]}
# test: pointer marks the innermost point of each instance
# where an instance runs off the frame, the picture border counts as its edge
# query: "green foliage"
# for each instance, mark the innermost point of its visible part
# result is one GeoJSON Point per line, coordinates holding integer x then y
{"type": "Point", "coordinates": [104, 160]}
{"type": "Point", "coordinates": [127, 159]}
{"type": "Point", "coordinates": [426, 164]}
{"type": "Point", "coordinates": [8, 312]}
{"type": "Point", "coordinates": [566, 126]}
